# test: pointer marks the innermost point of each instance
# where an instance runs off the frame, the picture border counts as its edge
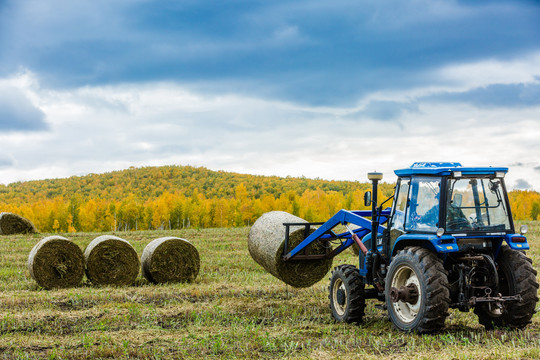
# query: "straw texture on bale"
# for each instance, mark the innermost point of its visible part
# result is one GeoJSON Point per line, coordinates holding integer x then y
{"type": "Point", "coordinates": [111, 260]}
{"type": "Point", "coordinates": [56, 262]}
{"type": "Point", "coordinates": [15, 224]}
{"type": "Point", "coordinates": [266, 241]}
{"type": "Point", "coordinates": [170, 259]}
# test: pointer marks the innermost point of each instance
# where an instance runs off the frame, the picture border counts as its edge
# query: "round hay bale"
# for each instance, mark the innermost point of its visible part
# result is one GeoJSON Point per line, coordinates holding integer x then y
{"type": "Point", "coordinates": [111, 260]}
{"type": "Point", "coordinates": [56, 262]}
{"type": "Point", "coordinates": [170, 259]}
{"type": "Point", "coordinates": [15, 224]}
{"type": "Point", "coordinates": [266, 241]}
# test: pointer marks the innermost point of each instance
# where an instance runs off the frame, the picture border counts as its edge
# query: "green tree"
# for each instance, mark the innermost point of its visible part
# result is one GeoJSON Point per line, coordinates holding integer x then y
{"type": "Point", "coordinates": [535, 210]}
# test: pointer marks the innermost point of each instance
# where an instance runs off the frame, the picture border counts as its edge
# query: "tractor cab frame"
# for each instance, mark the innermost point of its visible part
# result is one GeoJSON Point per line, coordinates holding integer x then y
{"type": "Point", "coordinates": [455, 209]}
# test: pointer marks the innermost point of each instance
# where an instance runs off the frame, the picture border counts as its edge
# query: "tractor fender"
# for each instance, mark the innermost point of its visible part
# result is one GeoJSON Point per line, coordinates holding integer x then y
{"type": "Point", "coordinates": [443, 244]}
{"type": "Point", "coordinates": [517, 242]}
{"type": "Point", "coordinates": [367, 240]}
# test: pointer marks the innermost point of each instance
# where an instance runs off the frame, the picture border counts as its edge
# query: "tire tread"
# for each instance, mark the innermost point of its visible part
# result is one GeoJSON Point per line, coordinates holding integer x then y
{"type": "Point", "coordinates": [516, 315]}
{"type": "Point", "coordinates": [351, 278]}
{"type": "Point", "coordinates": [437, 291]}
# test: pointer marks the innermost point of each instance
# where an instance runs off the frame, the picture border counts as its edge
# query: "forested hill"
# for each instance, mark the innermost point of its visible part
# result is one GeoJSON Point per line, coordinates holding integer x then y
{"type": "Point", "coordinates": [174, 197]}
{"type": "Point", "coordinates": [171, 197]}
{"type": "Point", "coordinates": [150, 182]}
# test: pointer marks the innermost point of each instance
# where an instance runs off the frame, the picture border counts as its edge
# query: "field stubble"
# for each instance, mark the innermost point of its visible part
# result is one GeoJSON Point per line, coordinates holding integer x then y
{"type": "Point", "coordinates": [234, 309]}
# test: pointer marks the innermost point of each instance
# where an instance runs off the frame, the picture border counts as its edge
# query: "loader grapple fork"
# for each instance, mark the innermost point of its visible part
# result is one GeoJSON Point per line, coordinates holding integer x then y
{"type": "Point", "coordinates": [325, 233]}
{"type": "Point", "coordinates": [305, 254]}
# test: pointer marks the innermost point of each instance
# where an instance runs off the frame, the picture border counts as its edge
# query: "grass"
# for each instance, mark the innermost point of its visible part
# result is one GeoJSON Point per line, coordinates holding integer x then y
{"type": "Point", "coordinates": [233, 310]}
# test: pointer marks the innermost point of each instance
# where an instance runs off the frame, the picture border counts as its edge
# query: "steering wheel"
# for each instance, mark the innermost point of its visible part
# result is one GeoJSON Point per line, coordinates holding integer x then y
{"type": "Point", "coordinates": [458, 224]}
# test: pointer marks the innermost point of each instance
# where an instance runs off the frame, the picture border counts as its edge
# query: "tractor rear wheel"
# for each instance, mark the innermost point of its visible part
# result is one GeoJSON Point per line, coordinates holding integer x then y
{"type": "Point", "coordinates": [347, 300]}
{"type": "Point", "coordinates": [516, 277]}
{"type": "Point", "coordinates": [417, 291]}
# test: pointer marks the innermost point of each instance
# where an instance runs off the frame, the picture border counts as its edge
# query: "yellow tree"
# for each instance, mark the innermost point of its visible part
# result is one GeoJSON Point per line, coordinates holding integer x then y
{"type": "Point", "coordinates": [56, 225]}
{"type": "Point", "coordinates": [268, 203]}
{"type": "Point", "coordinates": [87, 215]}
{"type": "Point", "coordinates": [70, 228]}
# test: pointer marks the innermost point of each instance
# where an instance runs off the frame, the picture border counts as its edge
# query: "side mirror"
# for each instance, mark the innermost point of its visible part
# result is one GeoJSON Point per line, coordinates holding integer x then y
{"type": "Point", "coordinates": [367, 198]}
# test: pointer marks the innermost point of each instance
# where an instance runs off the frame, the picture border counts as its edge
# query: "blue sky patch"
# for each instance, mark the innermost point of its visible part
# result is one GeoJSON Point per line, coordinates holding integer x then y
{"type": "Point", "coordinates": [316, 88]}
{"type": "Point", "coordinates": [313, 52]}
{"type": "Point", "coordinates": [17, 113]}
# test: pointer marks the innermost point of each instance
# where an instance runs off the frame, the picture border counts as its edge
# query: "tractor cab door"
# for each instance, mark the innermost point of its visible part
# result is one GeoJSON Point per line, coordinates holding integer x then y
{"type": "Point", "coordinates": [417, 207]}
{"type": "Point", "coordinates": [399, 208]}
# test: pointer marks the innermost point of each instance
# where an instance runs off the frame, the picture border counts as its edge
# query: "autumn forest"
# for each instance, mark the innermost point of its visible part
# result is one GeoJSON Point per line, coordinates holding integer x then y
{"type": "Point", "coordinates": [172, 197]}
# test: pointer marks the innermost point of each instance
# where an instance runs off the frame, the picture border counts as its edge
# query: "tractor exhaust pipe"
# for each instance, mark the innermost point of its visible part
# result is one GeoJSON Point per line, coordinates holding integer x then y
{"type": "Point", "coordinates": [374, 177]}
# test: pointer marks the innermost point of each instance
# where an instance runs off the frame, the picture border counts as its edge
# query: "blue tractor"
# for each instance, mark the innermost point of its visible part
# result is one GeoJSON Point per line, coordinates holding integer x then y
{"type": "Point", "coordinates": [448, 241]}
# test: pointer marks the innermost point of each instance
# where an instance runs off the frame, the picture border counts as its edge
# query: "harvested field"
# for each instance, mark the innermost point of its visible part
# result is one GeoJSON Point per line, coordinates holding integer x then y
{"type": "Point", "coordinates": [233, 309]}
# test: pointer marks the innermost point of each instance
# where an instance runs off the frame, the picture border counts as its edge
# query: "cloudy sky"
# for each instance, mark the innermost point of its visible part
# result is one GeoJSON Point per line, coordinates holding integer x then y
{"type": "Point", "coordinates": [316, 88]}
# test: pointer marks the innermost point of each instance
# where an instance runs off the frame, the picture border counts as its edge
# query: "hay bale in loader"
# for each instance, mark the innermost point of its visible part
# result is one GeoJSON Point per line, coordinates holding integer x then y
{"type": "Point", "coordinates": [111, 260]}
{"type": "Point", "coordinates": [170, 259]}
{"type": "Point", "coordinates": [266, 241]}
{"type": "Point", "coordinates": [56, 262]}
{"type": "Point", "coordinates": [11, 223]}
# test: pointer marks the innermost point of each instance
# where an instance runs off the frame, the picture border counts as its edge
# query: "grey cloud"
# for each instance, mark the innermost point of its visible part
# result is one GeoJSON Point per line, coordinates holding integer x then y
{"type": "Point", "coordinates": [537, 168]}
{"type": "Point", "coordinates": [496, 95]}
{"type": "Point", "coordinates": [384, 110]}
{"type": "Point", "coordinates": [17, 113]}
{"type": "Point", "coordinates": [522, 184]}
{"type": "Point", "coordinates": [6, 162]}
{"type": "Point", "coordinates": [352, 48]}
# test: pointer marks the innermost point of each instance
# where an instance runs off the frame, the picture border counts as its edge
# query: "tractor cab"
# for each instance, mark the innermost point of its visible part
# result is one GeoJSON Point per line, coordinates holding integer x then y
{"type": "Point", "coordinates": [447, 198]}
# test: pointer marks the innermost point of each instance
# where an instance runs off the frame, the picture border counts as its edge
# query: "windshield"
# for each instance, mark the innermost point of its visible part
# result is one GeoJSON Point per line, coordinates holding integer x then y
{"type": "Point", "coordinates": [476, 204]}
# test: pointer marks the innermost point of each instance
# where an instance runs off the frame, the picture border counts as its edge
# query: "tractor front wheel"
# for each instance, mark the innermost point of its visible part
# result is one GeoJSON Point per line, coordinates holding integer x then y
{"type": "Point", "coordinates": [347, 300]}
{"type": "Point", "coordinates": [516, 277]}
{"type": "Point", "coordinates": [417, 291]}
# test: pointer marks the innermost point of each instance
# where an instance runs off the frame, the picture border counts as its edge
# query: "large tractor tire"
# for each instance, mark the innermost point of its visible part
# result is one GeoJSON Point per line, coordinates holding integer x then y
{"type": "Point", "coordinates": [516, 277]}
{"type": "Point", "coordinates": [417, 291]}
{"type": "Point", "coordinates": [347, 300]}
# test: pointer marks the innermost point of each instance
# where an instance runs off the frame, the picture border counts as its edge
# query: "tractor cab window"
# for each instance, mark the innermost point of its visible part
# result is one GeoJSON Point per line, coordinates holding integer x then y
{"type": "Point", "coordinates": [398, 219]}
{"type": "Point", "coordinates": [423, 212]}
{"type": "Point", "coordinates": [476, 204]}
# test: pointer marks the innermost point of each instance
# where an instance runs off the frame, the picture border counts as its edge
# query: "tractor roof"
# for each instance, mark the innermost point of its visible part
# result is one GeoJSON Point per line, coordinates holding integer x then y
{"type": "Point", "coordinates": [442, 168]}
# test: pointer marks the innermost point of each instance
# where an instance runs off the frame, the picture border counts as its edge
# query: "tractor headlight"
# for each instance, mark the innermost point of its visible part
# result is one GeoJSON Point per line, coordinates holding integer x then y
{"type": "Point", "coordinates": [440, 232]}
{"type": "Point", "coordinates": [523, 229]}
